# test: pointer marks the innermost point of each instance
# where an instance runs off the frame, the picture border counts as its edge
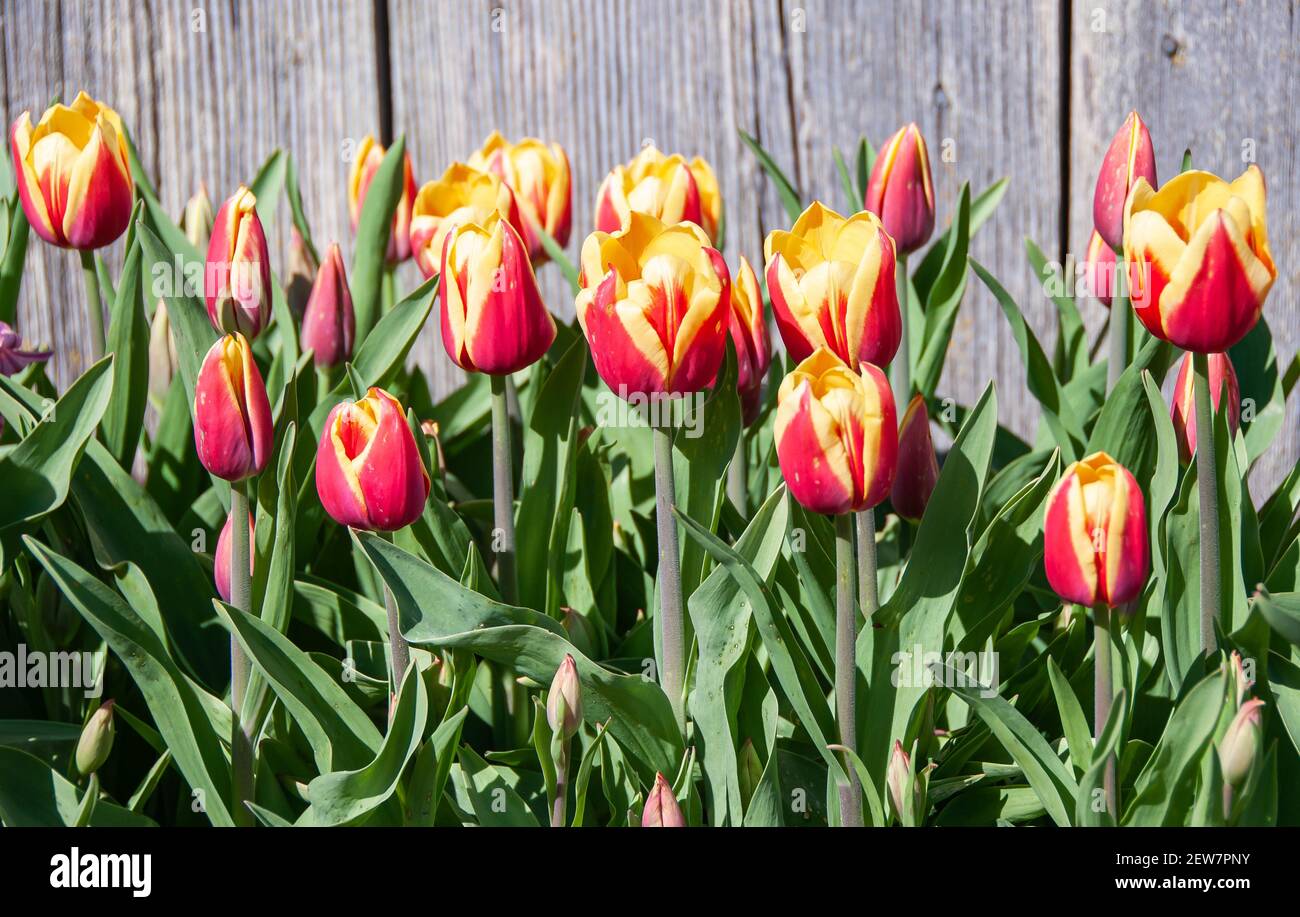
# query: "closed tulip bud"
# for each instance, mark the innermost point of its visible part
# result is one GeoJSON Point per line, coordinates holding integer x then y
{"type": "Point", "coordinates": [1095, 534]}
{"type": "Point", "coordinates": [462, 195]}
{"type": "Point", "coordinates": [329, 324]}
{"type": "Point", "coordinates": [14, 356]}
{"type": "Point", "coordinates": [665, 187]}
{"type": "Point", "coordinates": [221, 559]}
{"type": "Point", "coordinates": [831, 281]}
{"type": "Point", "coordinates": [237, 277]}
{"type": "Point", "coordinates": [749, 336]}
{"type": "Point", "coordinates": [1183, 410]}
{"type": "Point", "coordinates": [1240, 744]}
{"type": "Point", "coordinates": [73, 173]}
{"type": "Point", "coordinates": [96, 740]}
{"type": "Point", "coordinates": [1198, 258]}
{"type": "Point", "coordinates": [232, 417]}
{"type": "Point", "coordinates": [1128, 159]}
{"type": "Point", "coordinates": [654, 305]}
{"type": "Point", "coordinates": [162, 351]}
{"type": "Point", "coordinates": [369, 473]}
{"type": "Point", "coordinates": [900, 191]}
{"type": "Point", "coordinates": [197, 220]}
{"type": "Point", "coordinates": [918, 467]}
{"type": "Point", "coordinates": [1241, 682]}
{"type": "Point", "coordinates": [493, 317]}
{"type": "Point", "coordinates": [749, 771]}
{"type": "Point", "coordinates": [661, 809]}
{"type": "Point", "coordinates": [364, 165]}
{"type": "Point", "coordinates": [539, 177]}
{"type": "Point", "coordinates": [897, 775]}
{"type": "Point", "coordinates": [564, 699]}
{"type": "Point", "coordinates": [303, 268]}
{"type": "Point", "coordinates": [836, 436]}
{"type": "Point", "coordinates": [1099, 269]}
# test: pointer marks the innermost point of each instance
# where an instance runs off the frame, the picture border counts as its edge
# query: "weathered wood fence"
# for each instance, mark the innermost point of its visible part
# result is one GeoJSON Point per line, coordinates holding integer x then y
{"type": "Point", "coordinates": [1027, 89]}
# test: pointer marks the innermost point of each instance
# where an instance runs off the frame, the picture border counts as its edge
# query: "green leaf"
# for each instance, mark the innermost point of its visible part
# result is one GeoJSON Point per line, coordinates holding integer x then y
{"type": "Point", "coordinates": [192, 332]}
{"type": "Point", "coordinates": [943, 300]}
{"type": "Point", "coordinates": [373, 228]}
{"type": "Point", "coordinates": [33, 795]}
{"type": "Point", "coordinates": [429, 778]}
{"type": "Point", "coordinates": [1077, 734]}
{"type": "Point", "coordinates": [492, 796]}
{"type": "Point", "coordinates": [557, 255]}
{"type": "Point", "coordinates": [1282, 612]}
{"type": "Point", "coordinates": [981, 209]}
{"type": "Point", "coordinates": [128, 341]}
{"type": "Point", "coordinates": [1071, 353]}
{"type": "Point", "coordinates": [11, 265]}
{"type": "Point", "coordinates": [1262, 394]}
{"type": "Point", "coordinates": [851, 196]}
{"type": "Point", "coordinates": [785, 189]}
{"type": "Point", "coordinates": [177, 704]}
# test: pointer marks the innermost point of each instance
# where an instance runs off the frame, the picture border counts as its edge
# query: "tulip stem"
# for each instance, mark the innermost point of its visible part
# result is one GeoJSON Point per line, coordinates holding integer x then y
{"type": "Point", "coordinates": [94, 306]}
{"type": "Point", "coordinates": [241, 597]}
{"type": "Point", "coordinates": [1102, 696]}
{"type": "Point", "coordinates": [868, 596]}
{"type": "Point", "coordinates": [558, 806]}
{"type": "Point", "coordinates": [669, 620]}
{"type": "Point", "coordinates": [503, 492]}
{"type": "Point", "coordinates": [846, 643]}
{"type": "Point", "coordinates": [900, 372]}
{"type": "Point", "coordinates": [1207, 479]}
{"type": "Point", "coordinates": [1117, 328]}
{"type": "Point", "coordinates": [738, 478]}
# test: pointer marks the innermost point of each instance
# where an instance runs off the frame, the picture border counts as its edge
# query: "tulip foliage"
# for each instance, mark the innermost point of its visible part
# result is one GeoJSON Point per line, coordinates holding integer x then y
{"type": "Point", "coordinates": [739, 577]}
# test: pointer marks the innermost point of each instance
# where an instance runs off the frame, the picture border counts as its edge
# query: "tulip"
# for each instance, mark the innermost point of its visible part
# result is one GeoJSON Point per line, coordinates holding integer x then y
{"type": "Point", "coordinates": [1129, 158]}
{"type": "Point", "coordinates": [918, 467]}
{"type": "Point", "coordinates": [1182, 411]}
{"type": "Point", "coordinates": [1095, 534]}
{"type": "Point", "coordinates": [1241, 682]}
{"type": "Point", "coordinates": [162, 351]}
{"type": "Point", "coordinates": [832, 285]}
{"type": "Point", "coordinates": [369, 473]}
{"type": "Point", "coordinates": [197, 220]}
{"type": "Point", "coordinates": [232, 417]}
{"type": "Point", "coordinates": [654, 306]}
{"type": "Point", "coordinates": [749, 336]}
{"type": "Point", "coordinates": [539, 177]}
{"type": "Point", "coordinates": [96, 741]}
{"type": "Point", "coordinates": [1099, 269]}
{"type": "Point", "coordinates": [13, 355]}
{"type": "Point", "coordinates": [665, 187]}
{"type": "Point", "coordinates": [661, 809]}
{"type": "Point", "coordinates": [493, 317]}
{"type": "Point", "coordinates": [221, 559]}
{"type": "Point", "coordinates": [73, 173]}
{"type": "Point", "coordinates": [303, 268]}
{"type": "Point", "coordinates": [237, 278]}
{"type": "Point", "coordinates": [366, 162]}
{"type": "Point", "coordinates": [836, 437]}
{"type": "Point", "coordinates": [462, 195]}
{"type": "Point", "coordinates": [329, 324]}
{"type": "Point", "coordinates": [900, 191]}
{"type": "Point", "coordinates": [564, 700]}
{"type": "Point", "coordinates": [1240, 743]}
{"type": "Point", "coordinates": [898, 775]}
{"type": "Point", "coordinates": [1198, 258]}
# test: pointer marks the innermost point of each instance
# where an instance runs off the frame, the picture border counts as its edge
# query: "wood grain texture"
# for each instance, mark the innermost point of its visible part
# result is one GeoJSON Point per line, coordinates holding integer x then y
{"type": "Point", "coordinates": [1222, 78]}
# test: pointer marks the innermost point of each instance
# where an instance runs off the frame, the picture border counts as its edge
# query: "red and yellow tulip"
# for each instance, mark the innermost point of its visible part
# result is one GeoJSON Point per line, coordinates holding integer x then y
{"type": "Point", "coordinates": [666, 187]}
{"type": "Point", "coordinates": [329, 323]}
{"type": "Point", "coordinates": [749, 336]}
{"type": "Point", "coordinates": [73, 173]}
{"type": "Point", "coordinates": [1198, 258]}
{"type": "Point", "coordinates": [900, 190]}
{"type": "Point", "coordinates": [493, 317]}
{"type": "Point", "coordinates": [1183, 409]}
{"type": "Point", "coordinates": [831, 281]}
{"type": "Point", "coordinates": [221, 559]}
{"type": "Point", "coordinates": [462, 195]}
{"type": "Point", "coordinates": [232, 416]}
{"type": "Point", "coordinates": [654, 305]}
{"type": "Point", "coordinates": [918, 466]}
{"type": "Point", "coordinates": [539, 176]}
{"type": "Point", "coordinates": [369, 473]}
{"type": "Point", "coordinates": [836, 435]}
{"type": "Point", "coordinates": [1128, 158]}
{"type": "Point", "coordinates": [369, 155]}
{"type": "Point", "coordinates": [1095, 534]}
{"type": "Point", "coordinates": [237, 277]}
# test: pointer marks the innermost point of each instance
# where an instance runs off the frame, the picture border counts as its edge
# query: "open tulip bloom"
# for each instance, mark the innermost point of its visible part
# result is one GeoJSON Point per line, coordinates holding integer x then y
{"type": "Point", "coordinates": [665, 187]}
{"type": "Point", "coordinates": [462, 194]}
{"type": "Point", "coordinates": [538, 175]}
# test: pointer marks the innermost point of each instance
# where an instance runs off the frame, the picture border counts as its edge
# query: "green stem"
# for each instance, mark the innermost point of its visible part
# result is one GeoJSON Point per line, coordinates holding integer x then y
{"type": "Point", "coordinates": [1103, 696]}
{"type": "Point", "coordinates": [672, 637]}
{"type": "Point", "coordinates": [561, 786]}
{"type": "Point", "coordinates": [401, 650]}
{"type": "Point", "coordinates": [846, 642]}
{"type": "Point", "coordinates": [900, 372]}
{"type": "Point", "coordinates": [1117, 327]}
{"type": "Point", "coordinates": [738, 478]}
{"type": "Point", "coordinates": [388, 288]}
{"type": "Point", "coordinates": [503, 493]}
{"type": "Point", "coordinates": [94, 306]}
{"type": "Point", "coordinates": [868, 597]}
{"type": "Point", "coordinates": [1207, 478]}
{"type": "Point", "coordinates": [241, 739]}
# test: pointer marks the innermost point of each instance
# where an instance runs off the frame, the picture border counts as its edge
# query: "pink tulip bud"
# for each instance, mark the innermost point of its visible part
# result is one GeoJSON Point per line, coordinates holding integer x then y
{"type": "Point", "coordinates": [197, 220]}
{"type": "Point", "coordinates": [232, 417]}
{"type": "Point", "coordinates": [13, 355]}
{"type": "Point", "coordinates": [221, 559]}
{"type": "Point", "coordinates": [1129, 157]}
{"type": "Point", "coordinates": [237, 277]}
{"type": "Point", "coordinates": [1240, 744]}
{"type": "Point", "coordinates": [1183, 410]}
{"type": "Point", "coordinates": [900, 190]}
{"type": "Point", "coordinates": [661, 808]}
{"type": "Point", "coordinates": [749, 337]}
{"type": "Point", "coordinates": [918, 467]}
{"type": "Point", "coordinates": [897, 775]}
{"type": "Point", "coordinates": [329, 324]}
{"type": "Point", "coordinates": [565, 688]}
